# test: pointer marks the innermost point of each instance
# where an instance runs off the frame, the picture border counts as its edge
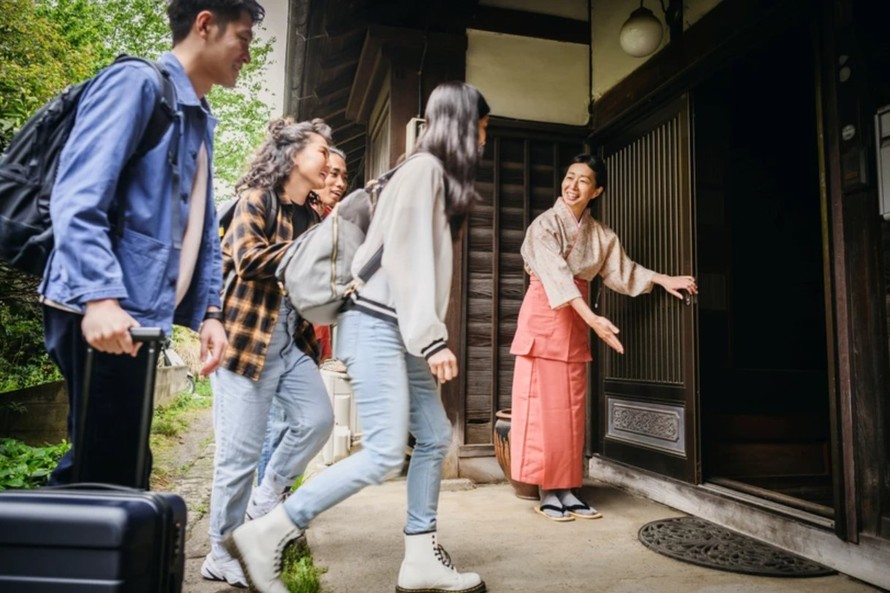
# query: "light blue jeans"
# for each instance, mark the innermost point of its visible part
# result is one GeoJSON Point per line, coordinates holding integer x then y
{"type": "Point", "coordinates": [240, 414]}
{"type": "Point", "coordinates": [394, 392]}
{"type": "Point", "coordinates": [275, 431]}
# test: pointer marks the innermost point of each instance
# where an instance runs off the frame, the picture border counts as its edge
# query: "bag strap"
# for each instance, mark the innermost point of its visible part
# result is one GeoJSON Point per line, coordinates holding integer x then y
{"type": "Point", "coordinates": [271, 215]}
{"type": "Point", "coordinates": [271, 212]}
{"type": "Point", "coordinates": [164, 112]}
{"type": "Point", "coordinates": [162, 116]}
{"type": "Point", "coordinates": [373, 264]}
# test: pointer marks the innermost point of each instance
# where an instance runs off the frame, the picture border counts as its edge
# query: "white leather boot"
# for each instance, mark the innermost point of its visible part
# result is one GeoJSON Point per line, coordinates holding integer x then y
{"type": "Point", "coordinates": [427, 568]}
{"type": "Point", "coordinates": [258, 546]}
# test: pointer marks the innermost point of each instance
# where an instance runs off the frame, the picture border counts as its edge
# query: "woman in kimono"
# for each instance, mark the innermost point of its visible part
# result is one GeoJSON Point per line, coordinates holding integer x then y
{"type": "Point", "coordinates": [565, 248]}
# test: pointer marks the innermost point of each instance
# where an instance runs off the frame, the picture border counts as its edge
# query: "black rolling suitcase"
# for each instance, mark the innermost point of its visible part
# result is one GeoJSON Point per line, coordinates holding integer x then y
{"type": "Point", "coordinates": [91, 537]}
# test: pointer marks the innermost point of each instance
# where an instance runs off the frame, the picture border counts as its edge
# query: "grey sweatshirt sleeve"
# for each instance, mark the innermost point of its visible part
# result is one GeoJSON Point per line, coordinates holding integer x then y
{"type": "Point", "coordinates": [417, 254]}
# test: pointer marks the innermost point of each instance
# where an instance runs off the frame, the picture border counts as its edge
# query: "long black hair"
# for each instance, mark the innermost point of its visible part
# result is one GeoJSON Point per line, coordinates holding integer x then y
{"type": "Point", "coordinates": [452, 135]}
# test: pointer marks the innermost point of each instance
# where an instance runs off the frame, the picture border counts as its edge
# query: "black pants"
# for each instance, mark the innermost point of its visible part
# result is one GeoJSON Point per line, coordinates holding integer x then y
{"type": "Point", "coordinates": [110, 440]}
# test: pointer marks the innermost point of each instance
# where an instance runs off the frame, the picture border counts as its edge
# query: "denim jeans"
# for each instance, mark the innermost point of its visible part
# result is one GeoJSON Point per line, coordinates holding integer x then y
{"type": "Point", "coordinates": [394, 392]}
{"type": "Point", "coordinates": [240, 413]}
{"type": "Point", "coordinates": [275, 431]}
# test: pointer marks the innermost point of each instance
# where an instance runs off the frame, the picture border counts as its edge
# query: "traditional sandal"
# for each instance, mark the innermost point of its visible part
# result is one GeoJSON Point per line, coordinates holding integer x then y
{"type": "Point", "coordinates": [552, 507]}
{"type": "Point", "coordinates": [574, 509]}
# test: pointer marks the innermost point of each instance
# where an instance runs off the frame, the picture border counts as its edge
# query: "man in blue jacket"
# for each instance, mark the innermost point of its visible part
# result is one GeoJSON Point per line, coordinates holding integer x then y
{"type": "Point", "coordinates": [136, 239]}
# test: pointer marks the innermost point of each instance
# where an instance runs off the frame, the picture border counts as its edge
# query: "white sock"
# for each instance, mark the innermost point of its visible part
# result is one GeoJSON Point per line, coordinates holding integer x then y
{"type": "Point", "coordinates": [219, 552]}
{"type": "Point", "coordinates": [569, 500]}
{"type": "Point", "coordinates": [267, 493]}
{"type": "Point", "coordinates": [550, 497]}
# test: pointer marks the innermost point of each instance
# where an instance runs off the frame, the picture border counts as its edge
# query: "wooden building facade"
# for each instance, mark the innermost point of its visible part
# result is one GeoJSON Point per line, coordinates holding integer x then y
{"type": "Point", "coordinates": [745, 151]}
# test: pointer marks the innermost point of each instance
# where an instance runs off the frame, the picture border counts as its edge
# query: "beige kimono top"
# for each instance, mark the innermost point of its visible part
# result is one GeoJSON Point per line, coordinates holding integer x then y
{"type": "Point", "coordinates": [558, 248]}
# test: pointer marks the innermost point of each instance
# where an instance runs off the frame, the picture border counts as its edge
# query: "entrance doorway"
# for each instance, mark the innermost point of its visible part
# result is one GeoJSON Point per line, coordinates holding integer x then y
{"type": "Point", "coordinates": [764, 396]}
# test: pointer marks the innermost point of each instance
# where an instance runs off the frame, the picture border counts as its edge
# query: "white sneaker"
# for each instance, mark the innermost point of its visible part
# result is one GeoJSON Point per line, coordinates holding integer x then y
{"type": "Point", "coordinates": [261, 503]}
{"type": "Point", "coordinates": [223, 569]}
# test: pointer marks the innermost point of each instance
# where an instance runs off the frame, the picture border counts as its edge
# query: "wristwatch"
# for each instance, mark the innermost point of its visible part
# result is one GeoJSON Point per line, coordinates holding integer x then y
{"type": "Point", "coordinates": [218, 315]}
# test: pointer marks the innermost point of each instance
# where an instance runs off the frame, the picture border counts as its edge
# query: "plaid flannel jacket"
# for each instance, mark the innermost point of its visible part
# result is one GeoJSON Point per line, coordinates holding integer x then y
{"type": "Point", "coordinates": [252, 293]}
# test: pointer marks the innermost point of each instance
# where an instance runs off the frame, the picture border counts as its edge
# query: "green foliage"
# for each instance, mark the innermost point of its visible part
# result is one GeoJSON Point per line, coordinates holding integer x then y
{"type": "Point", "coordinates": [298, 571]}
{"type": "Point", "coordinates": [24, 466]}
{"type": "Point", "coordinates": [135, 27]}
{"type": "Point", "coordinates": [37, 60]}
{"type": "Point", "coordinates": [243, 119]}
{"type": "Point", "coordinates": [170, 420]}
{"type": "Point", "coordinates": [202, 389]}
{"type": "Point", "coordinates": [82, 24]}
{"type": "Point", "coordinates": [23, 359]}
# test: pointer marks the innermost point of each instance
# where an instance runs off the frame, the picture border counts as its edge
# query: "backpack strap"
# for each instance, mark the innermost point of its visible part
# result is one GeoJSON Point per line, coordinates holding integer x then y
{"type": "Point", "coordinates": [271, 215]}
{"type": "Point", "coordinates": [375, 187]}
{"type": "Point", "coordinates": [165, 108]}
{"type": "Point", "coordinates": [371, 266]}
{"type": "Point", "coordinates": [271, 212]}
{"type": "Point", "coordinates": [162, 116]}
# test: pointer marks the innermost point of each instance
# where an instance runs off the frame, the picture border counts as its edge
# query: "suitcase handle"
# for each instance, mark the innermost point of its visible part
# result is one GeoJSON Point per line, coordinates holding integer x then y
{"type": "Point", "coordinates": [147, 334]}
{"type": "Point", "coordinates": [153, 337]}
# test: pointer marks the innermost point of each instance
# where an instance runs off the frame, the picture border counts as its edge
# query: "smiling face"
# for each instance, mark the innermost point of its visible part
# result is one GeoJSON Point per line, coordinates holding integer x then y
{"type": "Point", "coordinates": [310, 169]}
{"type": "Point", "coordinates": [228, 48]}
{"type": "Point", "coordinates": [579, 188]}
{"type": "Point", "coordinates": [335, 183]}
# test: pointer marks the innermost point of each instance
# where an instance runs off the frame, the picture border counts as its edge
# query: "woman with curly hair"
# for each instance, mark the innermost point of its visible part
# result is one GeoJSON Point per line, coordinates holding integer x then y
{"type": "Point", "coordinates": [392, 338]}
{"type": "Point", "coordinates": [272, 353]}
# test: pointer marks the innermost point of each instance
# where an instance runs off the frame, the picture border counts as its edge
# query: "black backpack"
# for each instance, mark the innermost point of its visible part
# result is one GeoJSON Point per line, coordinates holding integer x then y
{"type": "Point", "coordinates": [29, 164]}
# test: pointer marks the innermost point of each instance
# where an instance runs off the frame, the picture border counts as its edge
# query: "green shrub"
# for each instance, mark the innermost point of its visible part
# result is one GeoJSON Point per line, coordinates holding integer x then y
{"type": "Point", "coordinates": [24, 466]}
{"type": "Point", "coordinates": [23, 359]}
{"type": "Point", "coordinates": [298, 571]}
{"type": "Point", "coordinates": [172, 419]}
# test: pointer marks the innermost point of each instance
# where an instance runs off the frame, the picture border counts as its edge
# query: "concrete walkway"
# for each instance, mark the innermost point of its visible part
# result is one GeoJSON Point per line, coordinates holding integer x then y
{"type": "Point", "coordinates": [488, 530]}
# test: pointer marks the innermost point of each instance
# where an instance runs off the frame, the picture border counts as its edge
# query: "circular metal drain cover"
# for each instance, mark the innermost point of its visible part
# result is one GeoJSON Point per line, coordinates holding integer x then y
{"type": "Point", "coordinates": [699, 542]}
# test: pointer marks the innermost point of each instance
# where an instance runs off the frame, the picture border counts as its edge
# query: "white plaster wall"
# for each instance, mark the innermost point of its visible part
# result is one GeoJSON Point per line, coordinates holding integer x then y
{"type": "Point", "coordinates": [530, 79]}
{"type": "Point", "coordinates": [274, 26]}
{"type": "Point", "coordinates": [610, 63]}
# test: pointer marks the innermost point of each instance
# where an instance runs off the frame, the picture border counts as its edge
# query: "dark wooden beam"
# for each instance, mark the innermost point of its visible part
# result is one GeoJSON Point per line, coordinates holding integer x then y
{"type": "Point", "coordinates": [348, 134]}
{"type": "Point", "coordinates": [529, 24]}
{"type": "Point", "coordinates": [336, 82]}
{"type": "Point", "coordinates": [381, 46]}
{"type": "Point", "coordinates": [307, 63]}
{"type": "Point", "coordinates": [295, 62]}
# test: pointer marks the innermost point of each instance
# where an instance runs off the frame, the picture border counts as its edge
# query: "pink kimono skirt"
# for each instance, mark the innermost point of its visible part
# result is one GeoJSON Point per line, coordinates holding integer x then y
{"type": "Point", "coordinates": [549, 392]}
